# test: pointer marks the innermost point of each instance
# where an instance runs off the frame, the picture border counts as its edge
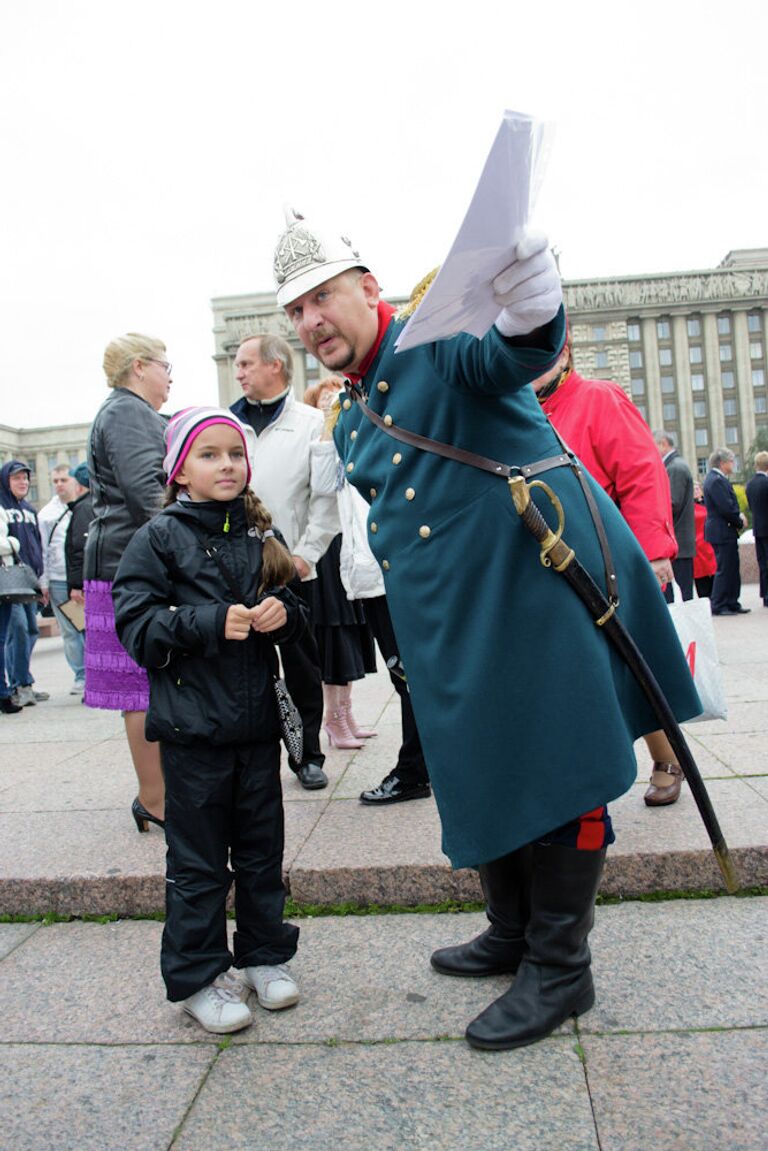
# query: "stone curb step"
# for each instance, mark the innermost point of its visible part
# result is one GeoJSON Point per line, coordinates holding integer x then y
{"type": "Point", "coordinates": [625, 876]}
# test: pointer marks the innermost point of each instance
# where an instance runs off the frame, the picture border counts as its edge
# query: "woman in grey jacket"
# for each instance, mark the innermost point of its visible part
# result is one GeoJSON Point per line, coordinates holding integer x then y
{"type": "Point", "coordinates": [125, 461]}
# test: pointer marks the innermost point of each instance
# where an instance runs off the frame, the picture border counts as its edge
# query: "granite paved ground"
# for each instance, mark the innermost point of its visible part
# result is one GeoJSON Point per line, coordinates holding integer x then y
{"type": "Point", "coordinates": [92, 1057]}
{"type": "Point", "coordinates": [372, 1059]}
{"type": "Point", "coordinates": [68, 843]}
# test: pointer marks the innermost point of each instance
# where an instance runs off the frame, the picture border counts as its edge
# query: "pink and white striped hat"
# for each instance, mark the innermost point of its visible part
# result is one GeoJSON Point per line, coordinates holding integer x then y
{"type": "Point", "coordinates": [184, 428]}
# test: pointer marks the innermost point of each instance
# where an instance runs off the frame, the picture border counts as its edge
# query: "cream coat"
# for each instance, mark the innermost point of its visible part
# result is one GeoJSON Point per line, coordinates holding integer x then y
{"type": "Point", "coordinates": [281, 478]}
{"type": "Point", "coordinates": [360, 573]}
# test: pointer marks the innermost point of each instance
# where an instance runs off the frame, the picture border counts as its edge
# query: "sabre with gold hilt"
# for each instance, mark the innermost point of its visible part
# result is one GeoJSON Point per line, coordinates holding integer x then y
{"type": "Point", "coordinates": [556, 553]}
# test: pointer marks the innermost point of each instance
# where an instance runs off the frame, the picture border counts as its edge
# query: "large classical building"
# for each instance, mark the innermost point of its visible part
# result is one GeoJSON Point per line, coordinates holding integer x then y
{"type": "Point", "coordinates": [43, 449]}
{"type": "Point", "coordinates": [688, 347]}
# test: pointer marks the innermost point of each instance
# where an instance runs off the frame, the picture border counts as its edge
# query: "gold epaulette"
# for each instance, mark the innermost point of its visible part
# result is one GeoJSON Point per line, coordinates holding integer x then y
{"type": "Point", "coordinates": [417, 295]}
{"type": "Point", "coordinates": [332, 417]}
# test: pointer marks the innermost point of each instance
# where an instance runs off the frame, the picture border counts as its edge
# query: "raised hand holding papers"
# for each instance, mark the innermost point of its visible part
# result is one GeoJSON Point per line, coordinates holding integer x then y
{"type": "Point", "coordinates": [461, 297]}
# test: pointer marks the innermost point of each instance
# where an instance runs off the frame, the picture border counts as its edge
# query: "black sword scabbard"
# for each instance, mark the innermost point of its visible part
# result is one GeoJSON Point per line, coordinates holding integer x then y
{"type": "Point", "coordinates": [555, 553]}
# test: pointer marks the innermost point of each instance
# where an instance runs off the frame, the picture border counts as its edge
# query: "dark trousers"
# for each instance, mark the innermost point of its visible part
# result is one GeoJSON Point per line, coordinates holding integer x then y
{"type": "Point", "coordinates": [761, 550]}
{"type": "Point", "coordinates": [590, 832]}
{"type": "Point", "coordinates": [704, 586]}
{"type": "Point", "coordinates": [301, 668]}
{"type": "Point", "coordinates": [411, 767]}
{"type": "Point", "coordinates": [727, 584]}
{"type": "Point", "coordinates": [683, 570]}
{"type": "Point", "coordinates": [220, 803]}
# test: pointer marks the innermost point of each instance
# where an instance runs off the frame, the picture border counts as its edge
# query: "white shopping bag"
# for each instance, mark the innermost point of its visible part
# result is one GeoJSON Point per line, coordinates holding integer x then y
{"type": "Point", "coordinates": [693, 623]}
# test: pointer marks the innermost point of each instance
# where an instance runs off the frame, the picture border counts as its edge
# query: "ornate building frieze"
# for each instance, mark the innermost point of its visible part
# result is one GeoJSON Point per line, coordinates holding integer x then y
{"type": "Point", "coordinates": [685, 289]}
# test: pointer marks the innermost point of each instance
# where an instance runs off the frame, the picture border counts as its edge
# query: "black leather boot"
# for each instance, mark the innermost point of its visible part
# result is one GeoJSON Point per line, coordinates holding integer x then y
{"type": "Point", "coordinates": [554, 980]}
{"type": "Point", "coordinates": [499, 949]}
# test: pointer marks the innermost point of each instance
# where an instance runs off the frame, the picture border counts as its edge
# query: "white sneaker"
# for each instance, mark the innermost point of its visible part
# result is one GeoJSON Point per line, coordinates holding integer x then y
{"type": "Point", "coordinates": [25, 696]}
{"type": "Point", "coordinates": [218, 1009]}
{"type": "Point", "coordinates": [77, 688]}
{"type": "Point", "coordinates": [275, 987]}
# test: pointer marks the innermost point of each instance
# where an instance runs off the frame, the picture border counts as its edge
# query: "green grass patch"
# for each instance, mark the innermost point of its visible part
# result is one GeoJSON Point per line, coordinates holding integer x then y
{"type": "Point", "coordinates": [294, 910]}
{"type": "Point", "coordinates": [671, 896]}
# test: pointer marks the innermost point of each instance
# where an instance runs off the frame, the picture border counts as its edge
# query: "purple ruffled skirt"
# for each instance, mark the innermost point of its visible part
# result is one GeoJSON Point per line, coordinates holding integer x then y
{"type": "Point", "coordinates": [112, 680]}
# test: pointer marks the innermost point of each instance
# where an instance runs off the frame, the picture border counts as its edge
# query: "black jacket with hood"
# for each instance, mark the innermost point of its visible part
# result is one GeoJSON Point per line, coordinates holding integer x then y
{"type": "Point", "coordinates": [171, 600]}
{"type": "Point", "coordinates": [21, 518]}
{"type": "Point", "coordinates": [75, 540]}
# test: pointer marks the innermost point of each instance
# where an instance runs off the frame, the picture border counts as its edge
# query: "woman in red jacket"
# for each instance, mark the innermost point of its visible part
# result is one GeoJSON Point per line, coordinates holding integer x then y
{"type": "Point", "coordinates": [704, 562]}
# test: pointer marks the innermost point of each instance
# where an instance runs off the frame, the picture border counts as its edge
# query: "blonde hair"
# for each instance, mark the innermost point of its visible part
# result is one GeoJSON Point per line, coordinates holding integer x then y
{"type": "Point", "coordinates": [277, 566]}
{"type": "Point", "coordinates": [315, 391]}
{"type": "Point", "coordinates": [761, 461]}
{"type": "Point", "coordinates": [120, 354]}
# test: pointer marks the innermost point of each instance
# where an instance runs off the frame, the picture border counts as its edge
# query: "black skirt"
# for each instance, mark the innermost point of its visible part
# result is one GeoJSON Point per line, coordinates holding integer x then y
{"type": "Point", "coordinates": [345, 641]}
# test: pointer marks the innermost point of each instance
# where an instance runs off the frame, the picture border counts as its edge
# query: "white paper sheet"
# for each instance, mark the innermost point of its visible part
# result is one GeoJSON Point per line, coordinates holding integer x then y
{"type": "Point", "coordinates": [461, 299]}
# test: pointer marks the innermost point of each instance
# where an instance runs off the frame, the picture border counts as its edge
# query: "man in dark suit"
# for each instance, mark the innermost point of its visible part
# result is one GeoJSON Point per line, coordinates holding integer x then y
{"type": "Point", "coordinates": [683, 522]}
{"type": "Point", "coordinates": [722, 527]}
{"type": "Point", "coordinates": [757, 495]}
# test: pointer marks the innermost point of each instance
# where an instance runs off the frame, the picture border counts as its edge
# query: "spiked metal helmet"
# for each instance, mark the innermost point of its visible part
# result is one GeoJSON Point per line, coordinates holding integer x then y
{"type": "Point", "coordinates": [306, 257]}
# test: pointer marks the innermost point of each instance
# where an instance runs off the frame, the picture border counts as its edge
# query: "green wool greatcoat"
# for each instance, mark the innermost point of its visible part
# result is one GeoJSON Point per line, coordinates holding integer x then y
{"type": "Point", "coordinates": [526, 715]}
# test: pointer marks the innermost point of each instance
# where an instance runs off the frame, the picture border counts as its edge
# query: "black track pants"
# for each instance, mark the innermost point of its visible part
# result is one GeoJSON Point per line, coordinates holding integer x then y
{"type": "Point", "coordinates": [222, 803]}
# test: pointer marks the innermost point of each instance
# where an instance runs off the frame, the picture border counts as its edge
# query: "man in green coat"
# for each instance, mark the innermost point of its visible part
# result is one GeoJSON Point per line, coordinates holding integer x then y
{"type": "Point", "coordinates": [526, 714]}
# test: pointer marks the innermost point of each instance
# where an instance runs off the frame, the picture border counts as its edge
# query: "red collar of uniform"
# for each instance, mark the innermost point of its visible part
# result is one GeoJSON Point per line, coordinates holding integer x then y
{"type": "Point", "coordinates": [385, 312]}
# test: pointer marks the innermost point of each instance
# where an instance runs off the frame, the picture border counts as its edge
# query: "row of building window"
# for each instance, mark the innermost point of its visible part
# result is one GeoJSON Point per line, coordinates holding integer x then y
{"type": "Point", "coordinates": [701, 435]}
{"type": "Point", "coordinates": [695, 356]}
{"type": "Point", "coordinates": [698, 383]}
{"type": "Point", "coordinates": [663, 327]}
{"type": "Point", "coordinates": [730, 408]}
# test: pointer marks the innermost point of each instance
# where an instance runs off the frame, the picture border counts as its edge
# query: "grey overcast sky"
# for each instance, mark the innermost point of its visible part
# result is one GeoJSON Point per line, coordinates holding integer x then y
{"type": "Point", "coordinates": [148, 146]}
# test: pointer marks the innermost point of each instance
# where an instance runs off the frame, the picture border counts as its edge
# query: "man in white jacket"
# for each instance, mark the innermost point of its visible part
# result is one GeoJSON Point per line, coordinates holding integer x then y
{"type": "Point", "coordinates": [284, 432]}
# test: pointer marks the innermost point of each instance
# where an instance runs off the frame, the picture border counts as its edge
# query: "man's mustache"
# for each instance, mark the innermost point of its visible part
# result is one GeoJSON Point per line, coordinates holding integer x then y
{"type": "Point", "coordinates": [319, 337]}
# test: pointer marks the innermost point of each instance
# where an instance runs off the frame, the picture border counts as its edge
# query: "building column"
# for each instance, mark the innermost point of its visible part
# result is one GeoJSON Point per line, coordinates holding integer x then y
{"type": "Point", "coordinates": [687, 445]}
{"type": "Point", "coordinates": [714, 390]}
{"type": "Point", "coordinates": [743, 367]}
{"type": "Point", "coordinates": [651, 371]}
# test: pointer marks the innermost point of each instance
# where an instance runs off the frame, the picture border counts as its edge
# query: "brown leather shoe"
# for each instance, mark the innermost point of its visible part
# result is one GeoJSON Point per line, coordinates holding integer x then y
{"type": "Point", "coordinates": [670, 793]}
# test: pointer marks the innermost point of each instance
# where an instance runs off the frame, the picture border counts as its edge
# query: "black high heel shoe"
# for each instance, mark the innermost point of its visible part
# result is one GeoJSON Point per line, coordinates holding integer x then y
{"type": "Point", "coordinates": [144, 817]}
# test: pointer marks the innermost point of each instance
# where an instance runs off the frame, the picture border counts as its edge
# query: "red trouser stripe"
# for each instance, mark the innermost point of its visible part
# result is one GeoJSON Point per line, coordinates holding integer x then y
{"type": "Point", "coordinates": [591, 836]}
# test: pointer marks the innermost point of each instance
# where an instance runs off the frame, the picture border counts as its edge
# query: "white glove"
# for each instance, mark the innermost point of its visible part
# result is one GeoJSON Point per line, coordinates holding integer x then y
{"type": "Point", "coordinates": [529, 290]}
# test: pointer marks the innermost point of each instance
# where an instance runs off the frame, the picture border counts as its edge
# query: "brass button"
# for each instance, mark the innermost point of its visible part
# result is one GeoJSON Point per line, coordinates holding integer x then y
{"type": "Point", "coordinates": [373, 526]}
{"type": "Point", "coordinates": [388, 421]}
{"type": "Point", "coordinates": [347, 405]}
{"type": "Point", "coordinates": [350, 467]}
{"type": "Point", "coordinates": [425, 531]}
{"type": "Point", "coordinates": [410, 493]}
{"type": "Point", "coordinates": [353, 434]}
{"type": "Point", "coordinates": [396, 458]}
{"type": "Point", "coordinates": [383, 386]}
{"type": "Point", "coordinates": [374, 493]}
{"type": "Point", "coordinates": [385, 565]}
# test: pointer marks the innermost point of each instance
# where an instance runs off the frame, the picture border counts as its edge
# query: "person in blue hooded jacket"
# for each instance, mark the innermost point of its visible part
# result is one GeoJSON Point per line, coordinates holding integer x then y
{"type": "Point", "coordinates": [527, 716]}
{"type": "Point", "coordinates": [22, 629]}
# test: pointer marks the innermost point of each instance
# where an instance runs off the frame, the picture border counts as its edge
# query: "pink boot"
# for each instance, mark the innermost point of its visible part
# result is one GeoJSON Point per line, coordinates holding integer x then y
{"type": "Point", "coordinates": [345, 705]}
{"type": "Point", "coordinates": [335, 723]}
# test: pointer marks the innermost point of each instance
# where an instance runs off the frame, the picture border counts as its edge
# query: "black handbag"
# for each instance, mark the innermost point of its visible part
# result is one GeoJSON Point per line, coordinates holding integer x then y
{"type": "Point", "coordinates": [291, 727]}
{"type": "Point", "coordinates": [18, 583]}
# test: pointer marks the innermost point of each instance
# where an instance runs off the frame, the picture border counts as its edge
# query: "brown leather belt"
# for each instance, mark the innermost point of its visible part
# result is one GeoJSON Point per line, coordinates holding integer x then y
{"type": "Point", "coordinates": [506, 471]}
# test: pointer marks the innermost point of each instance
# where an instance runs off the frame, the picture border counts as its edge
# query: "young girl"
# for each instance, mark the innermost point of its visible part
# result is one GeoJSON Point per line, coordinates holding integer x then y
{"type": "Point", "coordinates": [211, 662]}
